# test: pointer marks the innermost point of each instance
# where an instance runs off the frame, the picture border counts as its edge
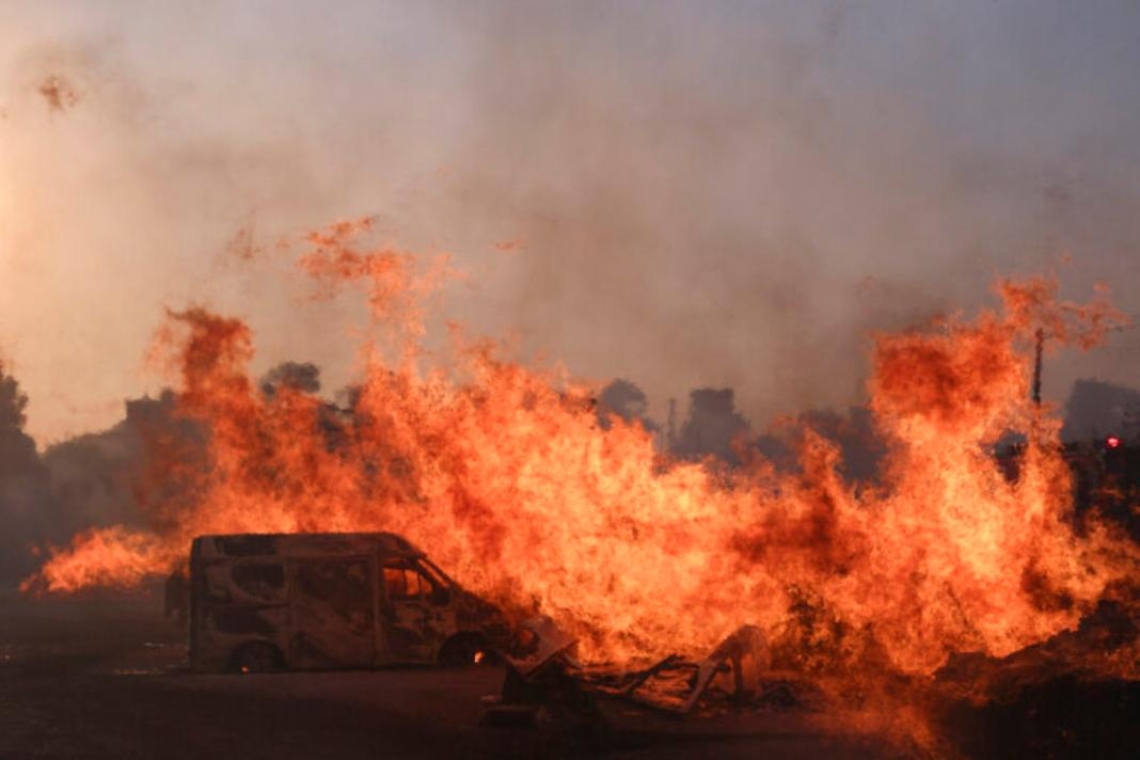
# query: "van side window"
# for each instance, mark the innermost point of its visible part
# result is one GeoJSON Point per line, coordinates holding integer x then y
{"type": "Point", "coordinates": [260, 580]}
{"type": "Point", "coordinates": [246, 582]}
{"type": "Point", "coordinates": [341, 586]}
{"type": "Point", "coordinates": [403, 583]}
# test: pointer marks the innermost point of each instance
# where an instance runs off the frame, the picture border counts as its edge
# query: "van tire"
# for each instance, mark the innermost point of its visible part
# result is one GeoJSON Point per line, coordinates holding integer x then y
{"type": "Point", "coordinates": [257, 657]}
{"type": "Point", "coordinates": [460, 650]}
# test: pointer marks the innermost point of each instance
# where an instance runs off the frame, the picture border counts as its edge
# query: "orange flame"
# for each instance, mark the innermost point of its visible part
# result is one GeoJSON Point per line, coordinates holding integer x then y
{"type": "Point", "coordinates": [501, 473]}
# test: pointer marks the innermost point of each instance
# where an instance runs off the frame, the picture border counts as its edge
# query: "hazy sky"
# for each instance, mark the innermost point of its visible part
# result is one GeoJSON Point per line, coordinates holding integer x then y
{"type": "Point", "coordinates": [709, 193]}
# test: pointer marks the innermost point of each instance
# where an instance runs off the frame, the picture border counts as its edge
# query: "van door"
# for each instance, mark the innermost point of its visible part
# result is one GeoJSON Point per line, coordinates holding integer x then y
{"type": "Point", "coordinates": [418, 616]}
{"type": "Point", "coordinates": [333, 620]}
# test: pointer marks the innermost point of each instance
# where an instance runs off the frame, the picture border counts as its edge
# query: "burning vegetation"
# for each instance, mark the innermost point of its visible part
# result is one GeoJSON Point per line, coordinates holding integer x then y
{"type": "Point", "coordinates": [504, 474]}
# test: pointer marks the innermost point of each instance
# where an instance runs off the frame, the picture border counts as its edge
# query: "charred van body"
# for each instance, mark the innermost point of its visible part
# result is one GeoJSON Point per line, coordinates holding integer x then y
{"type": "Point", "coordinates": [322, 601]}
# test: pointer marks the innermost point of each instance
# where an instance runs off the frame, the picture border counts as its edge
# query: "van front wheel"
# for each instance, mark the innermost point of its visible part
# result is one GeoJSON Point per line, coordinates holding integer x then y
{"type": "Point", "coordinates": [463, 649]}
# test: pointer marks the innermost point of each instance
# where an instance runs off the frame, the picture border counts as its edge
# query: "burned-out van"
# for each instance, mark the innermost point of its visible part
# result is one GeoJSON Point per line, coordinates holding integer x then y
{"type": "Point", "coordinates": [320, 601]}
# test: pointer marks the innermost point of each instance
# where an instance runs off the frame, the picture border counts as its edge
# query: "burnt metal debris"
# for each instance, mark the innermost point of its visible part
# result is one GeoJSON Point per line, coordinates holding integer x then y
{"type": "Point", "coordinates": [543, 674]}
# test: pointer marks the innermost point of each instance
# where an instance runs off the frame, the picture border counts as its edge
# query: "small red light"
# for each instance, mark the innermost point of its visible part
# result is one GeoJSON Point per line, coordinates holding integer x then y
{"type": "Point", "coordinates": [1112, 442]}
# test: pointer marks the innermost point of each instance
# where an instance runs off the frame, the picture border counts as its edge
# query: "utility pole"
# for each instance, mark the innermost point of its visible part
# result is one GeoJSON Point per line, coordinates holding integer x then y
{"type": "Point", "coordinates": [1039, 349]}
{"type": "Point", "coordinates": [671, 429]}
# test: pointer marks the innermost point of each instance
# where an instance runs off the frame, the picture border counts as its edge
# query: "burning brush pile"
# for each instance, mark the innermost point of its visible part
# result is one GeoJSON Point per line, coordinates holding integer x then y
{"type": "Point", "coordinates": [502, 472]}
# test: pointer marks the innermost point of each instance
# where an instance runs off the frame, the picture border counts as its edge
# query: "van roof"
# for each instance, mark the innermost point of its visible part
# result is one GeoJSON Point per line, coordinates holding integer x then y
{"type": "Point", "coordinates": [302, 544]}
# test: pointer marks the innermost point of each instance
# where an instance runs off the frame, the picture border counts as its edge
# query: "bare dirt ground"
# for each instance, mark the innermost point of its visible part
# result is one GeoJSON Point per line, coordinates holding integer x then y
{"type": "Point", "coordinates": [108, 679]}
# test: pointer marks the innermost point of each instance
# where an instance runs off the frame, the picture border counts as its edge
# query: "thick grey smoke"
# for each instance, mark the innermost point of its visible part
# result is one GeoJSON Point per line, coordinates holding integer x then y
{"type": "Point", "coordinates": [704, 194]}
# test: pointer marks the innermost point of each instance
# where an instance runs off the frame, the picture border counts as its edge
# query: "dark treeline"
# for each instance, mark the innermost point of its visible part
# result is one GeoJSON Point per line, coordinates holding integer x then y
{"type": "Point", "coordinates": [117, 475]}
{"type": "Point", "coordinates": [24, 483]}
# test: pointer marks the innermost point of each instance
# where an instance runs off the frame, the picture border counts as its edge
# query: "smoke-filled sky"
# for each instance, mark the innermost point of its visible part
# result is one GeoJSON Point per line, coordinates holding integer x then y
{"type": "Point", "coordinates": [727, 194]}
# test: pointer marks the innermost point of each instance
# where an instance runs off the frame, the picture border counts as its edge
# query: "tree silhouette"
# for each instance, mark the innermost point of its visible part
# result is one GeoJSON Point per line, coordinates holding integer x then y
{"type": "Point", "coordinates": [622, 398]}
{"type": "Point", "coordinates": [304, 377]}
{"type": "Point", "coordinates": [23, 485]}
{"type": "Point", "coordinates": [12, 404]}
{"type": "Point", "coordinates": [713, 426]}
